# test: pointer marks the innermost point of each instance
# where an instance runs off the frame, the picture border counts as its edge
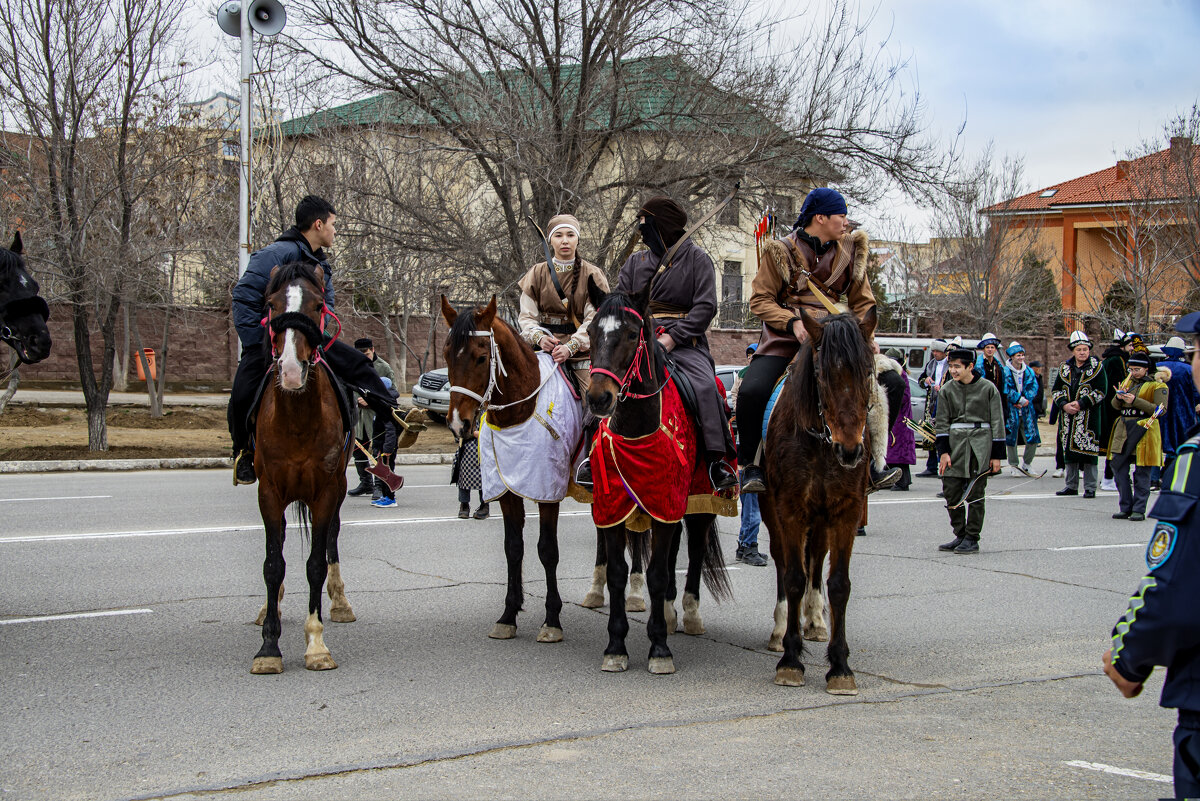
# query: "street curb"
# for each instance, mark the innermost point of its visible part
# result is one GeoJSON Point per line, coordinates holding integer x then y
{"type": "Point", "coordinates": [196, 463]}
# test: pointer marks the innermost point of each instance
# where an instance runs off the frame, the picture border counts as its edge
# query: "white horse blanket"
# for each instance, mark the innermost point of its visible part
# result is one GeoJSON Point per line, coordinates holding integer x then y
{"type": "Point", "coordinates": [533, 459]}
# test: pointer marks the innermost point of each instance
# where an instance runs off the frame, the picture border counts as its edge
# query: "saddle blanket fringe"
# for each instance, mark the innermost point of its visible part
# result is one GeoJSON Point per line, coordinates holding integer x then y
{"type": "Point", "coordinates": [533, 459]}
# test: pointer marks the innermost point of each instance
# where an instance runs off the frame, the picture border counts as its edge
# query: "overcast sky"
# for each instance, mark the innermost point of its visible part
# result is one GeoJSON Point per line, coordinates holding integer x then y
{"type": "Point", "coordinates": [1067, 84]}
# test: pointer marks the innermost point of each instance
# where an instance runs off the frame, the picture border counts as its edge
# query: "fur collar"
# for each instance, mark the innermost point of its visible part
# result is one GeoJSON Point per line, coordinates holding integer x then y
{"type": "Point", "coordinates": [884, 363]}
{"type": "Point", "coordinates": [857, 240]}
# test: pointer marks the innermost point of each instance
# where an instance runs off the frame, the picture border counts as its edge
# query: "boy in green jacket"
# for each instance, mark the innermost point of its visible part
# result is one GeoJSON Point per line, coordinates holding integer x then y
{"type": "Point", "coordinates": [970, 444]}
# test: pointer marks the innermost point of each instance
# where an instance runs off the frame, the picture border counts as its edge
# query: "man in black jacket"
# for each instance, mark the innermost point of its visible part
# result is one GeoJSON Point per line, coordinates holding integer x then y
{"type": "Point", "coordinates": [304, 242]}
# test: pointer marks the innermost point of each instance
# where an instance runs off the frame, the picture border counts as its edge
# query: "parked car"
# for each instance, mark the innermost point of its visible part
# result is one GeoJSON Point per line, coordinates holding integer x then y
{"type": "Point", "coordinates": [432, 394]}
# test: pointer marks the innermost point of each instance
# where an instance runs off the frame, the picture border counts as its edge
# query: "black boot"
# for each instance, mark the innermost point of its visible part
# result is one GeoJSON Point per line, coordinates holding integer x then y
{"type": "Point", "coordinates": [243, 468]}
{"type": "Point", "coordinates": [363, 488]}
{"type": "Point", "coordinates": [753, 479]}
{"type": "Point", "coordinates": [951, 545]}
{"type": "Point", "coordinates": [967, 546]}
{"type": "Point", "coordinates": [464, 511]}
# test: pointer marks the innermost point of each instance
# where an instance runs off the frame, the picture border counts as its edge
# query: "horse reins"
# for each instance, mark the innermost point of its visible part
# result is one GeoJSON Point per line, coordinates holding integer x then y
{"type": "Point", "coordinates": [298, 321]}
{"type": "Point", "coordinates": [496, 367]}
{"type": "Point", "coordinates": [634, 371]}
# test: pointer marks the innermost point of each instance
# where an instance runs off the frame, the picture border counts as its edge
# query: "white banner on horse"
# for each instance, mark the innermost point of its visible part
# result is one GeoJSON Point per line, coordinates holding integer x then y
{"type": "Point", "coordinates": [533, 459]}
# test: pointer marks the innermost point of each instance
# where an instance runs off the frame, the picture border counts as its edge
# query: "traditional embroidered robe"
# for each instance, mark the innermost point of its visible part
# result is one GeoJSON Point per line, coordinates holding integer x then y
{"type": "Point", "coordinates": [1148, 394]}
{"type": "Point", "coordinates": [1079, 434]}
{"type": "Point", "coordinates": [1022, 422]}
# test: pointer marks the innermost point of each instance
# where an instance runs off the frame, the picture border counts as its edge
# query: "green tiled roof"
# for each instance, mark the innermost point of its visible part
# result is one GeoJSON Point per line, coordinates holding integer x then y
{"type": "Point", "coordinates": [649, 102]}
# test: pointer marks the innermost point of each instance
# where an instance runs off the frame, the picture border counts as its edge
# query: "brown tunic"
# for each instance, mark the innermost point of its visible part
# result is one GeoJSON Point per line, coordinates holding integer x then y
{"type": "Point", "coordinates": [780, 289]}
{"type": "Point", "coordinates": [553, 316]}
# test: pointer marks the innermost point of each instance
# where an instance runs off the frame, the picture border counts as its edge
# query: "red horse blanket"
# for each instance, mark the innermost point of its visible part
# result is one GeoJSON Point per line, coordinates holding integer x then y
{"type": "Point", "coordinates": [652, 477]}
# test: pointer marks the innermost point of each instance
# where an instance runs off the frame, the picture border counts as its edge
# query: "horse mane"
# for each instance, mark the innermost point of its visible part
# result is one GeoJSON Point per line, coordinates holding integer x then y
{"type": "Point", "coordinates": [842, 344]}
{"type": "Point", "coordinates": [616, 304]}
{"type": "Point", "coordinates": [287, 273]}
{"type": "Point", "coordinates": [466, 322]}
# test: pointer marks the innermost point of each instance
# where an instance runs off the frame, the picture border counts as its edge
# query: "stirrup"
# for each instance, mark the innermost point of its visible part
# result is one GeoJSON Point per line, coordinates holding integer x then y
{"type": "Point", "coordinates": [410, 426]}
{"type": "Point", "coordinates": [583, 474]}
{"type": "Point", "coordinates": [883, 479]}
{"type": "Point", "coordinates": [237, 468]}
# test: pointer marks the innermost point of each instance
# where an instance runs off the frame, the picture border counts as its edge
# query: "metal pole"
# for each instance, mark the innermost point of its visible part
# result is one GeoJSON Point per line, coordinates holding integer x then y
{"type": "Point", "coordinates": [247, 116]}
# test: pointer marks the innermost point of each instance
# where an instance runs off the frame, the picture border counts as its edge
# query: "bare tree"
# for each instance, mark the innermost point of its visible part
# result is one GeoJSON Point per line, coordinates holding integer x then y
{"type": "Point", "coordinates": [586, 108]}
{"type": "Point", "coordinates": [88, 79]}
{"type": "Point", "coordinates": [979, 258]}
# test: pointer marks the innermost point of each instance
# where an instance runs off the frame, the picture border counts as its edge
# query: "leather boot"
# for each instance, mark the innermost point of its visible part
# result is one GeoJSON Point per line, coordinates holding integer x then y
{"type": "Point", "coordinates": [951, 545]}
{"type": "Point", "coordinates": [753, 479]}
{"type": "Point", "coordinates": [243, 468]}
{"type": "Point", "coordinates": [882, 479]}
{"type": "Point", "coordinates": [362, 489]}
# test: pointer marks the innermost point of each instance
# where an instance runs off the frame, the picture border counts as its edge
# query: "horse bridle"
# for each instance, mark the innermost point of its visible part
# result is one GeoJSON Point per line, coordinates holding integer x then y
{"type": "Point", "coordinates": [312, 332]}
{"type": "Point", "coordinates": [495, 367]}
{"type": "Point", "coordinates": [634, 371]}
{"type": "Point", "coordinates": [20, 307]}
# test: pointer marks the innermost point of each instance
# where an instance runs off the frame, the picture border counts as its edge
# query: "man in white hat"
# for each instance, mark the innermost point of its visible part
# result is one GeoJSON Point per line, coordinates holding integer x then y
{"type": "Point", "coordinates": [1079, 391]}
{"type": "Point", "coordinates": [932, 378]}
{"type": "Point", "coordinates": [1185, 402]}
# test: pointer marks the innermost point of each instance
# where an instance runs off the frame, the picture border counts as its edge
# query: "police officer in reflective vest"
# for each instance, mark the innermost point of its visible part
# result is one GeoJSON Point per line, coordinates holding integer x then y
{"type": "Point", "coordinates": [1162, 624]}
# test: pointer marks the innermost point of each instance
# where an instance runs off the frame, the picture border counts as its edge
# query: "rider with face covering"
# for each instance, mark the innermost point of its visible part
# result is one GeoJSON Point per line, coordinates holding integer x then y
{"type": "Point", "coordinates": [683, 302]}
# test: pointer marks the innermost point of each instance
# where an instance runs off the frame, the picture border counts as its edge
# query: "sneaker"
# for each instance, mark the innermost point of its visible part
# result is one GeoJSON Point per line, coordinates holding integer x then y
{"type": "Point", "coordinates": [482, 512]}
{"type": "Point", "coordinates": [383, 503]}
{"type": "Point", "coordinates": [1137, 517]}
{"type": "Point", "coordinates": [951, 545]}
{"type": "Point", "coordinates": [1026, 468]}
{"type": "Point", "coordinates": [967, 546]}
{"type": "Point", "coordinates": [753, 558]}
{"type": "Point", "coordinates": [1058, 473]}
{"type": "Point", "coordinates": [1120, 515]}
{"type": "Point", "coordinates": [243, 469]}
{"type": "Point", "coordinates": [1108, 485]}
{"type": "Point", "coordinates": [739, 553]}
{"type": "Point", "coordinates": [1069, 491]}
{"type": "Point", "coordinates": [464, 511]}
{"type": "Point", "coordinates": [883, 479]}
{"type": "Point", "coordinates": [362, 489]}
{"type": "Point", "coordinates": [1014, 471]}
{"type": "Point", "coordinates": [1155, 486]}
{"type": "Point", "coordinates": [753, 479]}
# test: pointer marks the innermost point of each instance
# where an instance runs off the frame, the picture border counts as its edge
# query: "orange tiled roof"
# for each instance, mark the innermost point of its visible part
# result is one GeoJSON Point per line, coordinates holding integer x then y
{"type": "Point", "coordinates": [1157, 176]}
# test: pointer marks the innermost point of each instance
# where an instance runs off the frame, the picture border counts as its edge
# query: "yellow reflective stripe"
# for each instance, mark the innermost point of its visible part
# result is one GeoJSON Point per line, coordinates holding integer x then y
{"type": "Point", "coordinates": [1135, 605]}
{"type": "Point", "coordinates": [1183, 466]}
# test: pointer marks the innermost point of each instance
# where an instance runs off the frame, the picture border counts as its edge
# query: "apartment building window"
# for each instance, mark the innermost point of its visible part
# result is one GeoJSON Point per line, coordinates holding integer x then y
{"type": "Point", "coordinates": [731, 283]}
{"type": "Point", "coordinates": [783, 207]}
{"type": "Point", "coordinates": [729, 215]}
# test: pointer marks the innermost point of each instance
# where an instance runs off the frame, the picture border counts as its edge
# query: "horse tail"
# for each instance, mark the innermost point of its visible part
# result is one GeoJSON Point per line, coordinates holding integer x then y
{"type": "Point", "coordinates": [305, 521]}
{"type": "Point", "coordinates": [638, 543]}
{"type": "Point", "coordinates": [716, 577]}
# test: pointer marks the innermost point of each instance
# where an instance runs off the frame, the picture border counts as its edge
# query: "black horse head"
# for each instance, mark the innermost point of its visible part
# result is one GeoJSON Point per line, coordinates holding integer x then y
{"type": "Point", "coordinates": [23, 314]}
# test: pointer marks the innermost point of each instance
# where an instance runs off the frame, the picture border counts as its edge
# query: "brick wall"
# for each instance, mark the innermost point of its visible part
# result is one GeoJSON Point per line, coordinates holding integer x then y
{"type": "Point", "coordinates": [203, 347]}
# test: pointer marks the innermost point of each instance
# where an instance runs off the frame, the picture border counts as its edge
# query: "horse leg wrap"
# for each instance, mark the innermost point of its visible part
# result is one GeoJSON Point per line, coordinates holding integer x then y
{"type": "Point", "coordinates": [692, 623]}
{"type": "Point", "coordinates": [595, 594]}
{"type": "Point", "coordinates": [634, 602]}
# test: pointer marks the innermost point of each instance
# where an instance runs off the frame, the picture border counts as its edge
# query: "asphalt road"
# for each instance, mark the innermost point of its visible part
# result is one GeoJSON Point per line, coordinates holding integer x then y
{"type": "Point", "coordinates": [125, 612]}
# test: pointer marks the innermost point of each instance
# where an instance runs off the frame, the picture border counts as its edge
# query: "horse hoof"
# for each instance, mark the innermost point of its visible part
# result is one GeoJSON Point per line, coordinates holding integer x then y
{"type": "Point", "coordinates": [693, 626]}
{"type": "Point", "coordinates": [775, 644]}
{"type": "Point", "coordinates": [841, 685]}
{"type": "Point", "coordinates": [264, 665]}
{"type": "Point", "coordinates": [342, 614]}
{"type": "Point", "coordinates": [503, 631]}
{"type": "Point", "coordinates": [319, 662]}
{"type": "Point", "coordinates": [615, 663]}
{"type": "Point", "coordinates": [635, 603]}
{"type": "Point", "coordinates": [789, 677]}
{"type": "Point", "coordinates": [593, 600]}
{"type": "Point", "coordinates": [816, 635]}
{"type": "Point", "coordinates": [550, 634]}
{"type": "Point", "coordinates": [661, 665]}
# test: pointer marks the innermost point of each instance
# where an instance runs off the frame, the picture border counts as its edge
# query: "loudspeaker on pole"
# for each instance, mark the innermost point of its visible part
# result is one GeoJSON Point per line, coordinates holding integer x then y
{"type": "Point", "coordinates": [267, 17]}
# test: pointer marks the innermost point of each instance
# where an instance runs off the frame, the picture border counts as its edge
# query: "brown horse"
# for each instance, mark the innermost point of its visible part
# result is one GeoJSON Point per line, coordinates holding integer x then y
{"type": "Point", "coordinates": [816, 468]}
{"type": "Point", "coordinates": [491, 368]}
{"type": "Point", "coordinates": [301, 457]}
{"type": "Point", "coordinates": [628, 388]}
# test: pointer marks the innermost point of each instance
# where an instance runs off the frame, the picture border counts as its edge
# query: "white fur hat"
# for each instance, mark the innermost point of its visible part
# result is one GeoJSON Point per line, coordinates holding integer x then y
{"type": "Point", "coordinates": [1079, 338]}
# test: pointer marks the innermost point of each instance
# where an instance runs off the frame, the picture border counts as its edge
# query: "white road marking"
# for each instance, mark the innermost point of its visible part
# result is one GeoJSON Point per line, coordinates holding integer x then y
{"type": "Point", "coordinates": [57, 498]}
{"type": "Point", "coordinates": [257, 526]}
{"type": "Point", "coordinates": [1135, 774]}
{"type": "Point", "coordinates": [999, 497]}
{"type": "Point", "coordinates": [727, 567]}
{"type": "Point", "coordinates": [1097, 547]}
{"type": "Point", "coordinates": [76, 616]}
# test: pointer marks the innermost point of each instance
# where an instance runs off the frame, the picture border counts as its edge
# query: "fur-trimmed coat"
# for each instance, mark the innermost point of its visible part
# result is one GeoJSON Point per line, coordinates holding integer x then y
{"type": "Point", "coordinates": [779, 289]}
